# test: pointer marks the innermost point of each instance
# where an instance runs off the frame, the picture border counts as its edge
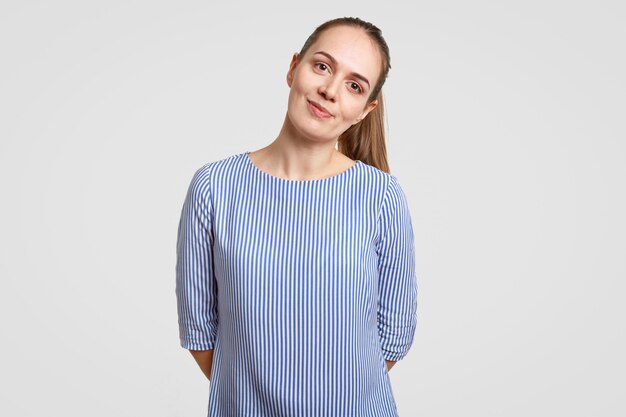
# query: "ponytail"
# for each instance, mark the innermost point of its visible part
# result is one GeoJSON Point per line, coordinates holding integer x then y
{"type": "Point", "coordinates": [365, 140]}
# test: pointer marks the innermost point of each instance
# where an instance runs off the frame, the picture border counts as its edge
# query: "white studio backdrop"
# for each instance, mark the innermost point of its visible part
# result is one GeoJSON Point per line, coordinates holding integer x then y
{"type": "Point", "coordinates": [506, 131]}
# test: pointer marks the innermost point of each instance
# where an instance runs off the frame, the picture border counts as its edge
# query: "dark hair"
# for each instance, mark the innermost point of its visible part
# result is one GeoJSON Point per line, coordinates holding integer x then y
{"type": "Point", "coordinates": [364, 140]}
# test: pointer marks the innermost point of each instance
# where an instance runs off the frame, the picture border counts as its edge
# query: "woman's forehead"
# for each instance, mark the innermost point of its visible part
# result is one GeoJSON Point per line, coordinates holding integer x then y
{"type": "Point", "coordinates": [350, 47]}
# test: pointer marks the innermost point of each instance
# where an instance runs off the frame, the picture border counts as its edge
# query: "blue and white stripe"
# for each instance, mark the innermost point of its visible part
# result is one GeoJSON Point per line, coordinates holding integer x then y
{"type": "Point", "coordinates": [302, 288]}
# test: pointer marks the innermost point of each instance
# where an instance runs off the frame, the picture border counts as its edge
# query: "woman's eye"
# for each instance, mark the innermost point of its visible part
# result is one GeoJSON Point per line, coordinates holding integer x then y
{"type": "Point", "coordinates": [358, 87]}
{"type": "Point", "coordinates": [322, 65]}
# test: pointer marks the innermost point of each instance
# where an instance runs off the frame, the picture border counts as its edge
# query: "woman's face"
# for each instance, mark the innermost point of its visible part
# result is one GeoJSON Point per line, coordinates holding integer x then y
{"type": "Point", "coordinates": [338, 72]}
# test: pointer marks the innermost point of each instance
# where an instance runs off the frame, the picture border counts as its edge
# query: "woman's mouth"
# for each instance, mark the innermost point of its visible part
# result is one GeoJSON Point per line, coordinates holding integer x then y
{"type": "Point", "coordinates": [318, 112]}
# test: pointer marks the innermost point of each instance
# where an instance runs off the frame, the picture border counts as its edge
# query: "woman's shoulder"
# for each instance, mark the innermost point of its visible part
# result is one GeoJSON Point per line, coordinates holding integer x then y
{"type": "Point", "coordinates": [222, 164]}
{"type": "Point", "coordinates": [213, 171]}
{"type": "Point", "coordinates": [378, 174]}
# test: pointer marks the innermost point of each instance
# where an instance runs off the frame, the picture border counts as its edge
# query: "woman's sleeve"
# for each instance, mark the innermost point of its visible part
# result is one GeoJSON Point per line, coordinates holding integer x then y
{"type": "Point", "coordinates": [397, 283]}
{"type": "Point", "coordinates": [196, 288]}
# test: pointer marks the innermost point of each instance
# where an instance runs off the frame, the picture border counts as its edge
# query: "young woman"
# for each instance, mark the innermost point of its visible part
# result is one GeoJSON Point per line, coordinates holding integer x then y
{"type": "Point", "coordinates": [295, 276]}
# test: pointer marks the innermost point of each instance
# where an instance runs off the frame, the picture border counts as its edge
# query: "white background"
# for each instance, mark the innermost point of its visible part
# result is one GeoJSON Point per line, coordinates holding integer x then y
{"type": "Point", "coordinates": [506, 131]}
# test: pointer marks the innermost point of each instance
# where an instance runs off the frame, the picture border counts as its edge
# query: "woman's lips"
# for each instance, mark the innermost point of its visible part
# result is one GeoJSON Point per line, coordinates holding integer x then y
{"type": "Point", "coordinates": [319, 112]}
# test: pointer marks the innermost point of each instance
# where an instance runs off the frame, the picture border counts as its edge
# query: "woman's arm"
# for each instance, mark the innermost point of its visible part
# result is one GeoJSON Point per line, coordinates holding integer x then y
{"type": "Point", "coordinates": [205, 360]}
{"type": "Point", "coordinates": [390, 364]}
{"type": "Point", "coordinates": [196, 285]}
{"type": "Point", "coordinates": [397, 283]}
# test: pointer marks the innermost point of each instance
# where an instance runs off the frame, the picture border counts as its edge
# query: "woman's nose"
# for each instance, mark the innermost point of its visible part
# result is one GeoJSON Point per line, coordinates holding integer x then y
{"type": "Point", "coordinates": [328, 90]}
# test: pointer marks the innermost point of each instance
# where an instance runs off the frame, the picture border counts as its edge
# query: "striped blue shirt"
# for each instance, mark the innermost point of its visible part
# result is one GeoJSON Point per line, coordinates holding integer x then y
{"type": "Point", "coordinates": [303, 288]}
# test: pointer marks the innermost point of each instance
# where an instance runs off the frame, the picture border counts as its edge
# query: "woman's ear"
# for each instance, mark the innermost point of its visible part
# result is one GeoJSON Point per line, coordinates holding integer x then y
{"type": "Point", "coordinates": [292, 67]}
{"type": "Point", "coordinates": [371, 106]}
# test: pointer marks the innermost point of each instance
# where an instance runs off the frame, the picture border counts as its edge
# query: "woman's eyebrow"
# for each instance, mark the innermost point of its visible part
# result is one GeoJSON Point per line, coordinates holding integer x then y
{"type": "Point", "coordinates": [334, 61]}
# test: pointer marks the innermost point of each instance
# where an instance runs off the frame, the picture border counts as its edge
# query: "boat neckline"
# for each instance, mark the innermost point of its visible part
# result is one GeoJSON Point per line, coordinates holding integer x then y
{"type": "Point", "coordinates": [336, 176]}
